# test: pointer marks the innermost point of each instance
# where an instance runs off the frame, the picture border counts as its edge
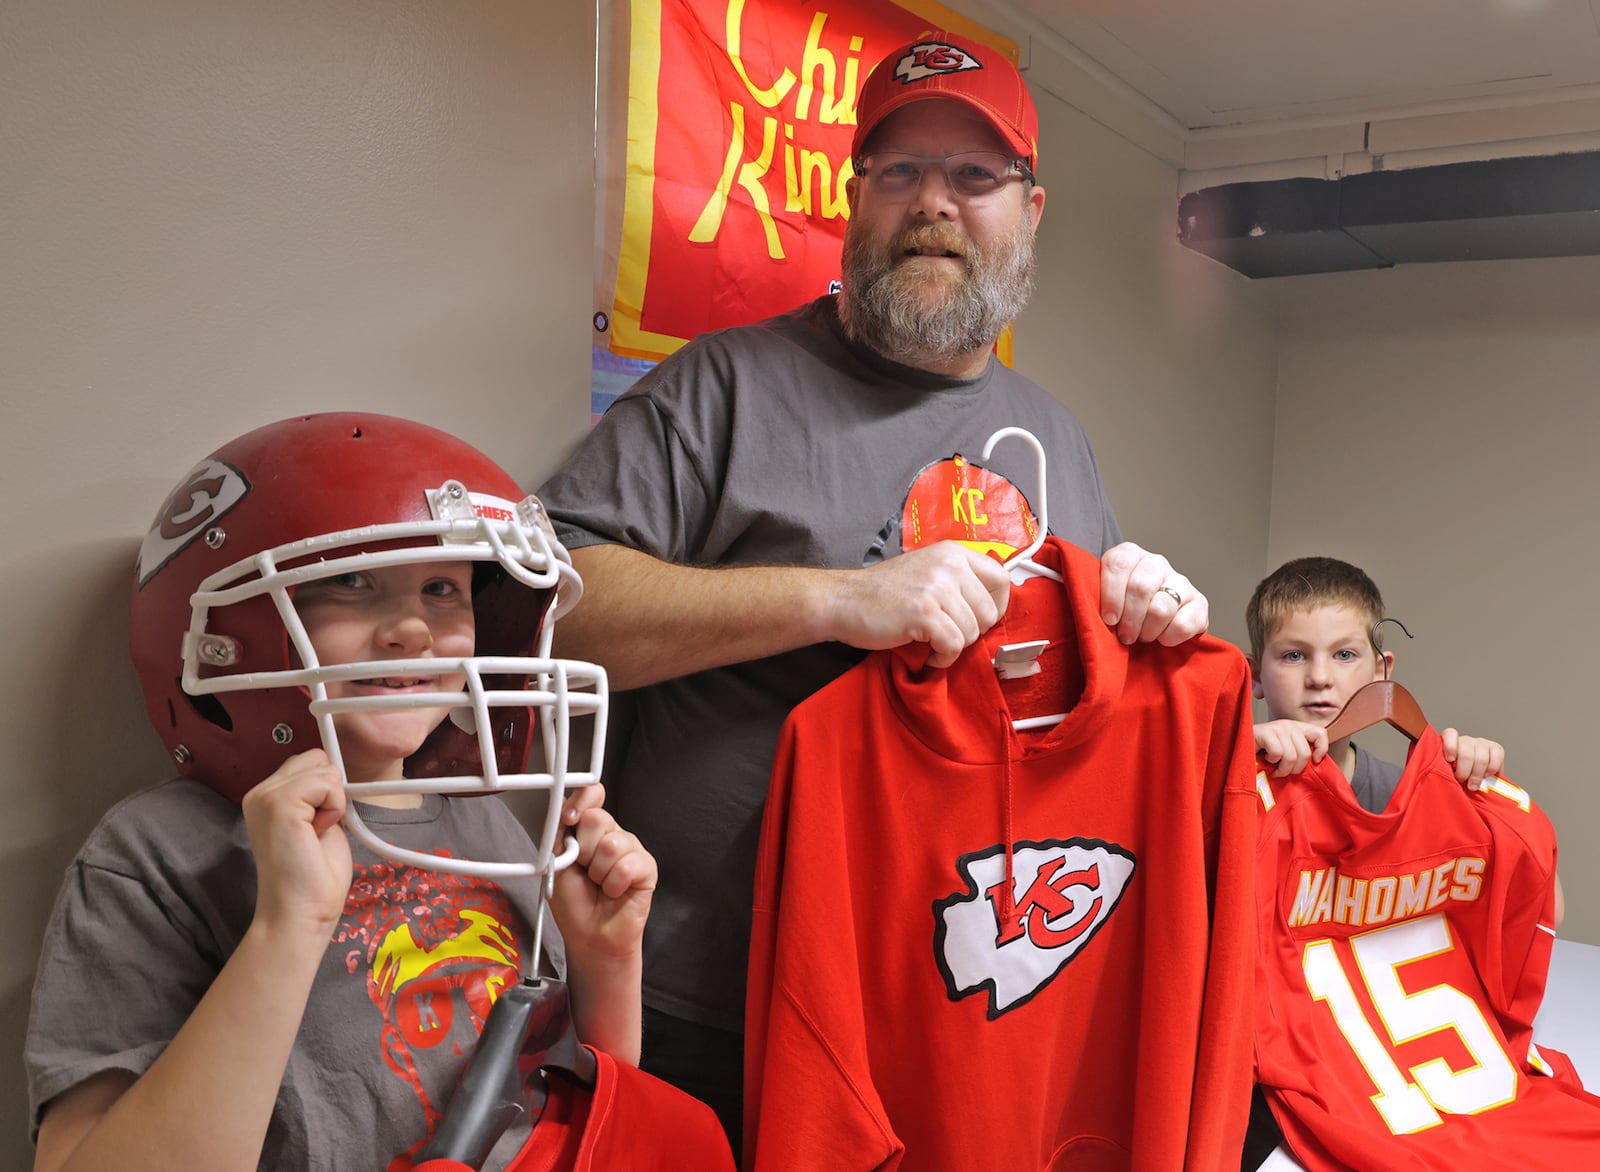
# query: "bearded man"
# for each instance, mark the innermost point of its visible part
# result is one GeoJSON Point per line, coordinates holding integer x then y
{"type": "Point", "coordinates": [748, 518]}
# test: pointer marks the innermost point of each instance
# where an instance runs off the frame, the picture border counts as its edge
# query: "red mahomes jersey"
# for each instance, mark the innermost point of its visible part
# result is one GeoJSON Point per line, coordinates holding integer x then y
{"type": "Point", "coordinates": [1403, 957]}
{"type": "Point", "coordinates": [978, 947]}
{"type": "Point", "coordinates": [630, 1122]}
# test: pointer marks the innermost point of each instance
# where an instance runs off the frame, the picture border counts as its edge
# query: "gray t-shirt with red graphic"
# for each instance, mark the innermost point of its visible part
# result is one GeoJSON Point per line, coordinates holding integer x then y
{"type": "Point", "coordinates": [158, 899]}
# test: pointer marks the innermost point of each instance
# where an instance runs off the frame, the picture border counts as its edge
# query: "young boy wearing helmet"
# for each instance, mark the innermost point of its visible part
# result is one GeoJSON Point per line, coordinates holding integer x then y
{"type": "Point", "coordinates": [337, 619]}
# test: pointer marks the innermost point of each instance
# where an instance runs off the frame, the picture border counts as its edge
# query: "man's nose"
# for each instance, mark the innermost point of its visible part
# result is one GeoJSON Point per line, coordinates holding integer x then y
{"type": "Point", "coordinates": [934, 197]}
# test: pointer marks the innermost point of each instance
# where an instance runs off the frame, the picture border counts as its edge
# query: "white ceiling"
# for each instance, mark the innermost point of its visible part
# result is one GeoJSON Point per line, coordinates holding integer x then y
{"type": "Point", "coordinates": [1218, 63]}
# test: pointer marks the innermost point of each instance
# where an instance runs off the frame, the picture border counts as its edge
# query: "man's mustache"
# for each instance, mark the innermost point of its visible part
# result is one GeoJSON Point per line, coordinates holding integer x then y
{"type": "Point", "coordinates": [934, 238]}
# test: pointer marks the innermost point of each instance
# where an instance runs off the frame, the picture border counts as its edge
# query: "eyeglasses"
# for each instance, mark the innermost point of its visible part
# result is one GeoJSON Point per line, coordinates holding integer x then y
{"type": "Point", "coordinates": [969, 174]}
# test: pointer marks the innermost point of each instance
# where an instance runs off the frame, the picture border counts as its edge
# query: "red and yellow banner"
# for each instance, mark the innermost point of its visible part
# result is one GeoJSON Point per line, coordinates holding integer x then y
{"type": "Point", "coordinates": [740, 116]}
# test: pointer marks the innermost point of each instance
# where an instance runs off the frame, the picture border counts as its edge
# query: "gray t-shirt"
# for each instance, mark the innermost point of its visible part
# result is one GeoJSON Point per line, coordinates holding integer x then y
{"type": "Point", "coordinates": [777, 443]}
{"type": "Point", "coordinates": [1373, 780]}
{"type": "Point", "coordinates": [158, 899]}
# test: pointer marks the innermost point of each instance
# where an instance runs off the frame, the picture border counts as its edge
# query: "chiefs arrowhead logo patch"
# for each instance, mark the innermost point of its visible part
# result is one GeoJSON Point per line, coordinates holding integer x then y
{"type": "Point", "coordinates": [1061, 894]}
{"type": "Point", "coordinates": [932, 58]}
{"type": "Point", "coordinates": [201, 498]}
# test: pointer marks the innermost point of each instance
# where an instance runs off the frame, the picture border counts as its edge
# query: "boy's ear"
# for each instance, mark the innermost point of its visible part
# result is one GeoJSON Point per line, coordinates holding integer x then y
{"type": "Point", "coordinates": [1388, 665]}
{"type": "Point", "coordinates": [1256, 689]}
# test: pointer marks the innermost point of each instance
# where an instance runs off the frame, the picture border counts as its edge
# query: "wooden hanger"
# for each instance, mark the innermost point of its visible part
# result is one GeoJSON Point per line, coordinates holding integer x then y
{"type": "Point", "coordinates": [1382, 700]}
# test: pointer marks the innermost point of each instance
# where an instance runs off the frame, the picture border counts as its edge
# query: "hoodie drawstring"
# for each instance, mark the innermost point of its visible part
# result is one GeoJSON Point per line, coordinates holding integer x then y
{"type": "Point", "coordinates": [1008, 916]}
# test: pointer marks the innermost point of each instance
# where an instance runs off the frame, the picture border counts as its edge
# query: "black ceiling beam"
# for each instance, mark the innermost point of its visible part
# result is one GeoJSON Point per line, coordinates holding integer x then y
{"type": "Point", "coordinates": [1495, 209]}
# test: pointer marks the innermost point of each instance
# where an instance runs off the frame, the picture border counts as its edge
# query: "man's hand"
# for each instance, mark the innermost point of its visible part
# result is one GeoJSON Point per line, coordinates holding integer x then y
{"type": "Point", "coordinates": [1146, 600]}
{"type": "Point", "coordinates": [1473, 757]}
{"type": "Point", "coordinates": [302, 857]}
{"type": "Point", "coordinates": [944, 595]}
{"type": "Point", "coordinates": [1291, 745]}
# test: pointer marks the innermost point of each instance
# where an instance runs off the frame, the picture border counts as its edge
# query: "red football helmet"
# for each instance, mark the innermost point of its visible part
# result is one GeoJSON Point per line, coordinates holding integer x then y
{"type": "Point", "coordinates": [230, 679]}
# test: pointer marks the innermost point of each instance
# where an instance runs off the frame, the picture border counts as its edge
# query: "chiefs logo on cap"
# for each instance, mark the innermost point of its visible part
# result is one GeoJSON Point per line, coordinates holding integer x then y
{"type": "Point", "coordinates": [933, 59]}
{"type": "Point", "coordinates": [956, 500]}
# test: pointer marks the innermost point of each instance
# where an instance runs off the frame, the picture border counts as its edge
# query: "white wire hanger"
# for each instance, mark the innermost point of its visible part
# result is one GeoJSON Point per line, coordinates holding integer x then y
{"type": "Point", "coordinates": [1015, 660]}
{"type": "Point", "coordinates": [1023, 561]}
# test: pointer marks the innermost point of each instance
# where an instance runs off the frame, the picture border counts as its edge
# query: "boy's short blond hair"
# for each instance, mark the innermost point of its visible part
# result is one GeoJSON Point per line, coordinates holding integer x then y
{"type": "Point", "coordinates": [1305, 584]}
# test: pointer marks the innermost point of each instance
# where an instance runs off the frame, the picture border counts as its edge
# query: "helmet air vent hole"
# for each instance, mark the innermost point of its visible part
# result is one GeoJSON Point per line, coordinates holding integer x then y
{"type": "Point", "coordinates": [211, 709]}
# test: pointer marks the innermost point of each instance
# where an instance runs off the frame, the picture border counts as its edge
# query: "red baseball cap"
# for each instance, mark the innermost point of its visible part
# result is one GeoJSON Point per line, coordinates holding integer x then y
{"type": "Point", "coordinates": [943, 65]}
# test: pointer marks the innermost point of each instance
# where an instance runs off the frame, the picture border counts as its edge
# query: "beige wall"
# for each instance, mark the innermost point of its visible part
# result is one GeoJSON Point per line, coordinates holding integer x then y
{"type": "Point", "coordinates": [217, 215]}
{"type": "Point", "coordinates": [1166, 357]}
{"type": "Point", "coordinates": [1437, 425]}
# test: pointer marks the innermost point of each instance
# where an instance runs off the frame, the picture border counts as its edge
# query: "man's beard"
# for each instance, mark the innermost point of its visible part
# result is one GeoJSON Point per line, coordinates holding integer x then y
{"type": "Point", "coordinates": [924, 319]}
